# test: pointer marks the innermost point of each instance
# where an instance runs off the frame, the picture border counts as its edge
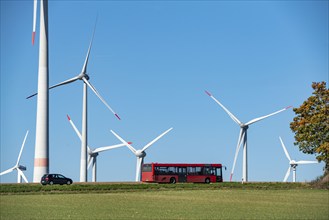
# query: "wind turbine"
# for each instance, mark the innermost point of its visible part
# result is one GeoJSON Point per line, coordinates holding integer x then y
{"type": "Point", "coordinates": [140, 154]}
{"type": "Point", "coordinates": [18, 167]}
{"type": "Point", "coordinates": [41, 155]}
{"type": "Point", "coordinates": [92, 154]}
{"type": "Point", "coordinates": [293, 164]}
{"type": "Point", "coordinates": [84, 77]}
{"type": "Point", "coordinates": [243, 137]}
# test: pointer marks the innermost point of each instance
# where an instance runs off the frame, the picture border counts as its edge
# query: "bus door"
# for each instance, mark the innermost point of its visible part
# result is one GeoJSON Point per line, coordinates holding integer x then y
{"type": "Point", "coordinates": [219, 177]}
{"type": "Point", "coordinates": [182, 174]}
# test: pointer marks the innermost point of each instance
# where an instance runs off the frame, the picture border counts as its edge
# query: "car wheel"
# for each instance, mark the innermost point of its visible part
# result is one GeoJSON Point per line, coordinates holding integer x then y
{"type": "Point", "coordinates": [51, 183]}
{"type": "Point", "coordinates": [207, 180]}
{"type": "Point", "coordinates": [69, 182]}
{"type": "Point", "coordinates": [172, 180]}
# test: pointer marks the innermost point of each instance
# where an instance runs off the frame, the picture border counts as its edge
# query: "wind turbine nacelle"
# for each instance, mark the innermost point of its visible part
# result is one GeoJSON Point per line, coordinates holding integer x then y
{"type": "Point", "coordinates": [94, 154]}
{"type": "Point", "coordinates": [140, 153]}
{"type": "Point", "coordinates": [21, 167]}
{"type": "Point", "coordinates": [293, 164]}
{"type": "Point", "coordinates": [244, 126]}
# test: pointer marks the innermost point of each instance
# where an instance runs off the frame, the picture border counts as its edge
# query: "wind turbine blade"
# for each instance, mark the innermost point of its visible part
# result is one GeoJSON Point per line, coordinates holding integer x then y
{"type": "Point", "coordinates": [126, 143]}
{"type": "Point", "coordinates": [266, 116]}
{"type": "Point", "coordinates": [100, 97]}
{"type": "Point", "coordinates": [74, 127]}
{"type": "Point", "coordinates": [101, 149]}
{"type": "Point", "coordinates": [59, 84]}
{"type": "Point", "coordinates": [306, 162]}
{"type": "Point", "coordinates": [287, 175]}
{"type": "Point", "coordinates": [22, 175]}
{"type": "Point", "coordinates": [78, 132]}
{"type": "Point", "coordinates": [90, 160]}
{"type": "Point", "coordinates": [156, 139]}
{"type": "Point", "coordinates": [65, 82]}
{"type": "Point", "coordinates": [35, 4]}
{"type": "Point", "coordinates": [285, 150]}
{"type": "Point", "coordinates": [241, 136]}
{"type": "Point", "coordinates": [20, 153]}
{"type": "Point", "coordinates": [7, 171]}
{"type": "Point", "coordinates": [32, 95]}
{"type": "Point", "coordinates": [89, 150]}
{"type": "Point", "coordinates": [84, 68]}
{"type": "Point", "coordinates": [235, 119]}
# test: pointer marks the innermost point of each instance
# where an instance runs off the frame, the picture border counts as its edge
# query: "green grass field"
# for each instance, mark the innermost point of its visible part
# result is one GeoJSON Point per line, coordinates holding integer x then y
{"type": "Point", "coordinates": [154, 201]}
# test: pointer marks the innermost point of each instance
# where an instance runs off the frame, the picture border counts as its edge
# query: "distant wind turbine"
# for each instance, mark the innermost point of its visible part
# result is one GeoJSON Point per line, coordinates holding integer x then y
{"type": "Point", "coordinates": [85, 79]}
{"type": "Point", "coordinates": [18, 167]}
{"type": "Point", "coordinates": [293, 164]}
{"type": "Point", "coordinates": [92, 154]}
{"type": "Point", "coordinates": [140, 154]}
{"type": "Point", "coordinates": [243, 137]}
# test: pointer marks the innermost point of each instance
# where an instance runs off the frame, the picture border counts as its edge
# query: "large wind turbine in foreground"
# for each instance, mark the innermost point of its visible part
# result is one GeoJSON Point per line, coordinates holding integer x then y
{"type": "Point", "coordinates": [293, 164]}
{"type": "Point", "coordinates": [85, 79]}
{"type": "Point", "coordinates": [140, 154]}
{"type": "Point", "coordinates": [92, 154]}
{"type": "Point", "coordinates": [243, 137]}
{"type": "Point", "coordinates": [18, 167]}
{"type": "Point", "coordinates": [41, 155]}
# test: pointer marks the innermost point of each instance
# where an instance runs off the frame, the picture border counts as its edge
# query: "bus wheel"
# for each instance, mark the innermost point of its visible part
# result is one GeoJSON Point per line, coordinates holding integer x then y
{"type": "Point", "coordinates": [172, 180]}
{"type": "Point", "coordinates": [207, 180]}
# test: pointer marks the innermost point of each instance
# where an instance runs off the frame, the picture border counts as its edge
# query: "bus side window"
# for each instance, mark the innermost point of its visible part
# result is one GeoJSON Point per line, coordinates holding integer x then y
{"type": "Point", "coordinates": [208, 170]}
{"type": "Point", "coordinates": [172, 170]}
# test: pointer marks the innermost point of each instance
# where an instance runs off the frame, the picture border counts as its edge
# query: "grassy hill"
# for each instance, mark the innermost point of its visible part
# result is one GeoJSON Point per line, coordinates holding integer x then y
{"type": "Point", "coordinates": [164, 201]}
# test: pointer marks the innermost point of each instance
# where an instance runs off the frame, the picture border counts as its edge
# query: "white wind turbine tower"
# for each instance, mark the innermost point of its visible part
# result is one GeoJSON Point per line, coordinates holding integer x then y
{"type": "Point", "coordinates": [41, 155]}
{"type": "Point", "coordinates": [92, 154]}
{"type": "Point", "coordinates": [140, 154]}
{"type": "Point", "coordinates": [293, 164]}
{"type": "Point", "coordinates": [18, 167]}
{"type": "Point", "coordinates": [243, 137]}
{"type": "Point", "coordinates": [85, 79]}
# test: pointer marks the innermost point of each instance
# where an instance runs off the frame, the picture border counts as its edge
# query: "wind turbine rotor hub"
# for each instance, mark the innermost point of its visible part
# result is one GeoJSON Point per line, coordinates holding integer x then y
{"type": "Point", "coordinates": [83, 75]}
{"type": "Point", "coordinates": [140, 154]}
{"type": "Point", "coordinates": [292, 162]}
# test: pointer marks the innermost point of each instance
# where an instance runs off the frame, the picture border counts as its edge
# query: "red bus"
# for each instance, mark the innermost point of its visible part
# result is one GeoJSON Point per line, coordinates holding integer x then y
{"type": "Point", "coordinates": [181, 172]}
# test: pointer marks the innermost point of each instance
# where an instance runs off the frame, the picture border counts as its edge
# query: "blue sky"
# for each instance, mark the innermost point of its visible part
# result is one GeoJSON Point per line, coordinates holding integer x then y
{"type": "Point", "coordinates": [152, 61]}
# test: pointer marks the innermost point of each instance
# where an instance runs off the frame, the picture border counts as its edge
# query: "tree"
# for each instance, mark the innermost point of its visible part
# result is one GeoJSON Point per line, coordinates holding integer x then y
{"type": "Point", "coordinates": [311, 124]}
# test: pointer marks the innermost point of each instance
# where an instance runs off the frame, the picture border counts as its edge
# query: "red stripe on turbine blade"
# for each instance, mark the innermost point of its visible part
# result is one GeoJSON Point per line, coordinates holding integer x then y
{"type": "Point", "coordinates": [68, 117]}
{"type": "Point", "coordinates": [208, 93]}
{"type": "Point", "coordinates": [33, 37]}
{"type": "Point", "coordinates": [288, 107]}
{"type": "Point", "coordinates": [130, 142]}
{"type": "Point", "coordinates": [117, 116]}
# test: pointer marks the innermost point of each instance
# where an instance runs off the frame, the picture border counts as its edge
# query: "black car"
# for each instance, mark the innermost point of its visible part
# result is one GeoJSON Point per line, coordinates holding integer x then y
{"type": "Point", "coordinates": [55, 179]}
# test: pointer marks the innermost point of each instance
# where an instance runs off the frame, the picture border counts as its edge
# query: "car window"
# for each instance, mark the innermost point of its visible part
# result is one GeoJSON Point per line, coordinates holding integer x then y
{"type": "Point", "coordinates": [61, 176]}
